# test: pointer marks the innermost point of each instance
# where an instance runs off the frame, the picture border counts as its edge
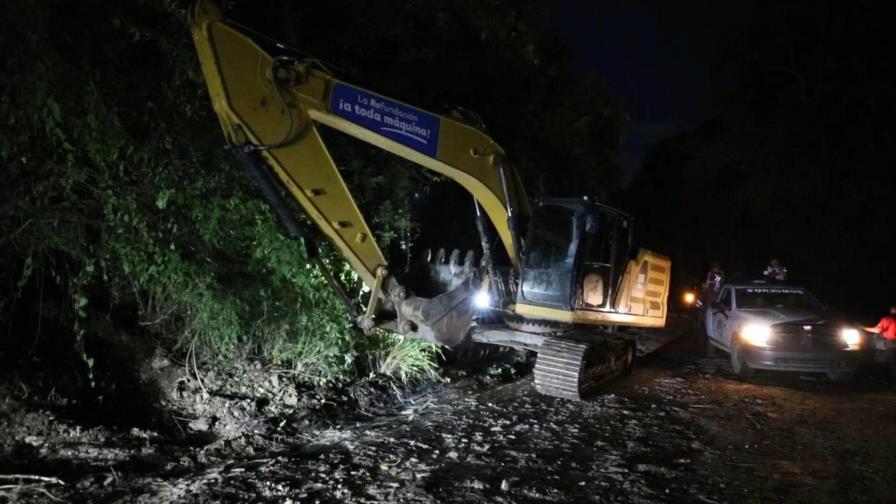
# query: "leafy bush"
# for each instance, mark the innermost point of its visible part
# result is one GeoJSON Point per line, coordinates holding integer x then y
{"type": "Point", "coordinates": [125, 203]}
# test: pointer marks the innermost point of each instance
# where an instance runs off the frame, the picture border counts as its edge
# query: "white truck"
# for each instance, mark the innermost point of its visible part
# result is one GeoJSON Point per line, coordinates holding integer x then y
{"type": "Point", "coordinates": [780, 327]}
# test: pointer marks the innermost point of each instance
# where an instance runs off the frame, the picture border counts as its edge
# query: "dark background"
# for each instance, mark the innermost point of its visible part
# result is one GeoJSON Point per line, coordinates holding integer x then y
{"type": "Point", "coordinates": [664, 61]}
{"type": "Point", "coordinates": [756, 130]}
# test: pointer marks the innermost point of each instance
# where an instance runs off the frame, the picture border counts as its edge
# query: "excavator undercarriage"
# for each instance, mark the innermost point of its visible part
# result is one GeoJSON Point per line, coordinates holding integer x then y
{"type": "Point", "coordinates": [572, 362]}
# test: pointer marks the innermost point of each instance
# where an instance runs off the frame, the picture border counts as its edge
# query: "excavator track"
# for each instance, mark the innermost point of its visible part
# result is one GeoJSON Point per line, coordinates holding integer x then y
{"type": "Point", "coordinates": [572, 369]}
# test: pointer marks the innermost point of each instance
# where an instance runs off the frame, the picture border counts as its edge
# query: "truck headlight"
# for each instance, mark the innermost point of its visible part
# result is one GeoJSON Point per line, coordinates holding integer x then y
{"type": "Point", "coordinates": [851, 337]}
{"type": "Point", "coordinates": [756, 334]}
{"type": "Point", "coordinates": [482, 300]}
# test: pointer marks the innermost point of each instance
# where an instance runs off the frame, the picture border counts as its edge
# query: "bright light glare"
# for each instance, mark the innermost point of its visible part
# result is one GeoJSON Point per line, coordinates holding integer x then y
{"type": "Point", "coordinates": [851, 337]}
{"type": "Point", "coordinates": [755, 334]}
{"type": "Point", "coordinates": [689, 297]}
{"type": "Point", "coordinates": [482, 300]}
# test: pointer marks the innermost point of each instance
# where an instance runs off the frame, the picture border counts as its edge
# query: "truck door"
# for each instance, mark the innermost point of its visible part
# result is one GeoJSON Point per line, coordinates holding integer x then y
{"type": "Point", "coordinates": [721, 317]}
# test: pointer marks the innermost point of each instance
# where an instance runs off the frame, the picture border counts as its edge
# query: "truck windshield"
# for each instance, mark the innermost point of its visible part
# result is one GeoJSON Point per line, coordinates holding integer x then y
{"type": "Point", "coordinates": [762, 298]}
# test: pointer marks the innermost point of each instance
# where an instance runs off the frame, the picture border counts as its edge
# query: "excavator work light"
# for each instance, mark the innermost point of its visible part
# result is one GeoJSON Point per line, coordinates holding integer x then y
{"type": "Point", "coordinates": [482, 300]}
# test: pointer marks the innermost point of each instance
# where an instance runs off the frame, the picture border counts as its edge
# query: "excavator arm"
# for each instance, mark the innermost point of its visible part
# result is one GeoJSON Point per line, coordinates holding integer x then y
{"type": "Point", "coordinates": [270, 108]}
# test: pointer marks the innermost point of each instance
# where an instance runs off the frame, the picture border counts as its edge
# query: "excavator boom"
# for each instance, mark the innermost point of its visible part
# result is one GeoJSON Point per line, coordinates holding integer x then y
{"type": "Point", "coordinates": [273, 105]}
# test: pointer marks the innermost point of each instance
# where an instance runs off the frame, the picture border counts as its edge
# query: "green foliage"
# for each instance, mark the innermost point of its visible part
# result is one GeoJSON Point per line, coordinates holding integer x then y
{"type": "Point", "coordinates": [117, 187]}
{"type": "Point", "coordinates": [404, 359]}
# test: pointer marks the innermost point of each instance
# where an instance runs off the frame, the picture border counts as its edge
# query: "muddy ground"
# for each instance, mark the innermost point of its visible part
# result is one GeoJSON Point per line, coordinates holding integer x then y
{"type": "Point", "coordinates": [681, 429]}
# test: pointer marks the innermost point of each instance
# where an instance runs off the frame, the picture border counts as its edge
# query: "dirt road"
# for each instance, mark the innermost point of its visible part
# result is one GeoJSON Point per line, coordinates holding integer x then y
{"type": "Point", "coordinates": [682, 429]}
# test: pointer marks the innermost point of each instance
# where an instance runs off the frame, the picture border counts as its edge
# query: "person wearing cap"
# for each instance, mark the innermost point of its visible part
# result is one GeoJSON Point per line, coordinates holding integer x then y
{"type": "Point", "coordinates": [775, 271]}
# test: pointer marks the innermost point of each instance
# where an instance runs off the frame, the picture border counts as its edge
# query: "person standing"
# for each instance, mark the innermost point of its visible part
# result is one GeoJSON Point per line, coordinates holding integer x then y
{"type": "Point", "coordinates": [885, 331]}
{"type": "Point", "coordinates": [713, 283]}
{"type": "Point", "coordinates": [775, 271]}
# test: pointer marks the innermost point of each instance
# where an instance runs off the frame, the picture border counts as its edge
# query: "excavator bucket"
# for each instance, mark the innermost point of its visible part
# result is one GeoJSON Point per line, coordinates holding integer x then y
{"type": "Point", "coordinates": [444, 319]}
{"type": "Point", "coordinates": [444, 285]}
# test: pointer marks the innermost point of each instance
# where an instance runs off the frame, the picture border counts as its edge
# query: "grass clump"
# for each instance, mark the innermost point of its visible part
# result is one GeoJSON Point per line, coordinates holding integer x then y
{"type": "Point", "coordinates": [403, 359]}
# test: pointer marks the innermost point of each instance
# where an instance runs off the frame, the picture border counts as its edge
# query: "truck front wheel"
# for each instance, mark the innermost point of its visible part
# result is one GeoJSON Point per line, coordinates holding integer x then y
{"type": "Point", "coordinates": [709, 350]}
{"type": "Point", "coordinates": [738, 363]}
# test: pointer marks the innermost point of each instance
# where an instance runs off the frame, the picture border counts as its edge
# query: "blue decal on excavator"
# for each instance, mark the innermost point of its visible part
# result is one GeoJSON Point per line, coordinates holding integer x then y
{"type": "Point", "coordinates": [402, 123]}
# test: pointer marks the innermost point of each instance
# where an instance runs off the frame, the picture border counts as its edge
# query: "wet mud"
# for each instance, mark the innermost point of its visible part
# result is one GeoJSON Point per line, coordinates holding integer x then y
{"type": "Point", "coordinates": [680, 429]}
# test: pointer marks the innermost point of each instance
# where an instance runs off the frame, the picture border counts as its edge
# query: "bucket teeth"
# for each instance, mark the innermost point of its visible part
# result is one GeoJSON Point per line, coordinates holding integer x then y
{"type": "Point", "coordinates": [454, 262]}
{"type": "Point", "coordinates": [446, 271]}
{"type": "Point", "coordinates": [468, 262]}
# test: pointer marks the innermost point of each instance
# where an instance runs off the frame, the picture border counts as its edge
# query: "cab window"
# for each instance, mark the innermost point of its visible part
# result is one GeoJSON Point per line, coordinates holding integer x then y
{"type": "Point", "coordinates": [605, 253]}
{"type": "Point", "coordinates": [725, 300]}
{"type": "Point", "coordinates": [548, 262]}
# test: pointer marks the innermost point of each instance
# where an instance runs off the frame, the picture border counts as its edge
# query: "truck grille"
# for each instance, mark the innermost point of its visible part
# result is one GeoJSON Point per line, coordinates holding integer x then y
{"type": "Point", "coordinates": [810, 364]}
{"type": "Point", "coordinates": [806, 337]}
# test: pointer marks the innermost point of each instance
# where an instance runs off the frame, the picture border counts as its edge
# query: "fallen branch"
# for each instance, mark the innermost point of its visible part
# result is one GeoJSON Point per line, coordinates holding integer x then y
{"type": "Point", "coordinates": [48, 494]}
{"type": "Point", "coordinates": [33, 487]}
{"type": "Point", "coordinates": [192, 352]}
{"type": "Point", "coordinates": [161, 318]}
{"type": "Point", "coordinates": [32, 477]}
{"type": "Point", "coordinates": [198, 376]}
{"type": "Point", "coordinates": [755, 422]}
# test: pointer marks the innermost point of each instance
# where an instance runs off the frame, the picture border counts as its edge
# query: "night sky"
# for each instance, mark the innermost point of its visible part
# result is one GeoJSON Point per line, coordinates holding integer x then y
{"type": "Point", "coordinates": [661, 59]}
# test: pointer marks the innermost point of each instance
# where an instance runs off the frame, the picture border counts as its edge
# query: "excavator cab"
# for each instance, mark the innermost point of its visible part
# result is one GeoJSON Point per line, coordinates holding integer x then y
{"type": "Point", "coordinates": [575, 254]}
{"type": "Point", "coordinates": [577, 267]}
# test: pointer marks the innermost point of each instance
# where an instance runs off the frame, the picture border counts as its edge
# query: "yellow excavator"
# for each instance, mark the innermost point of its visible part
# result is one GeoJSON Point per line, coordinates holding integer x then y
{"type": "Point", "coordinates": [555, 276]}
